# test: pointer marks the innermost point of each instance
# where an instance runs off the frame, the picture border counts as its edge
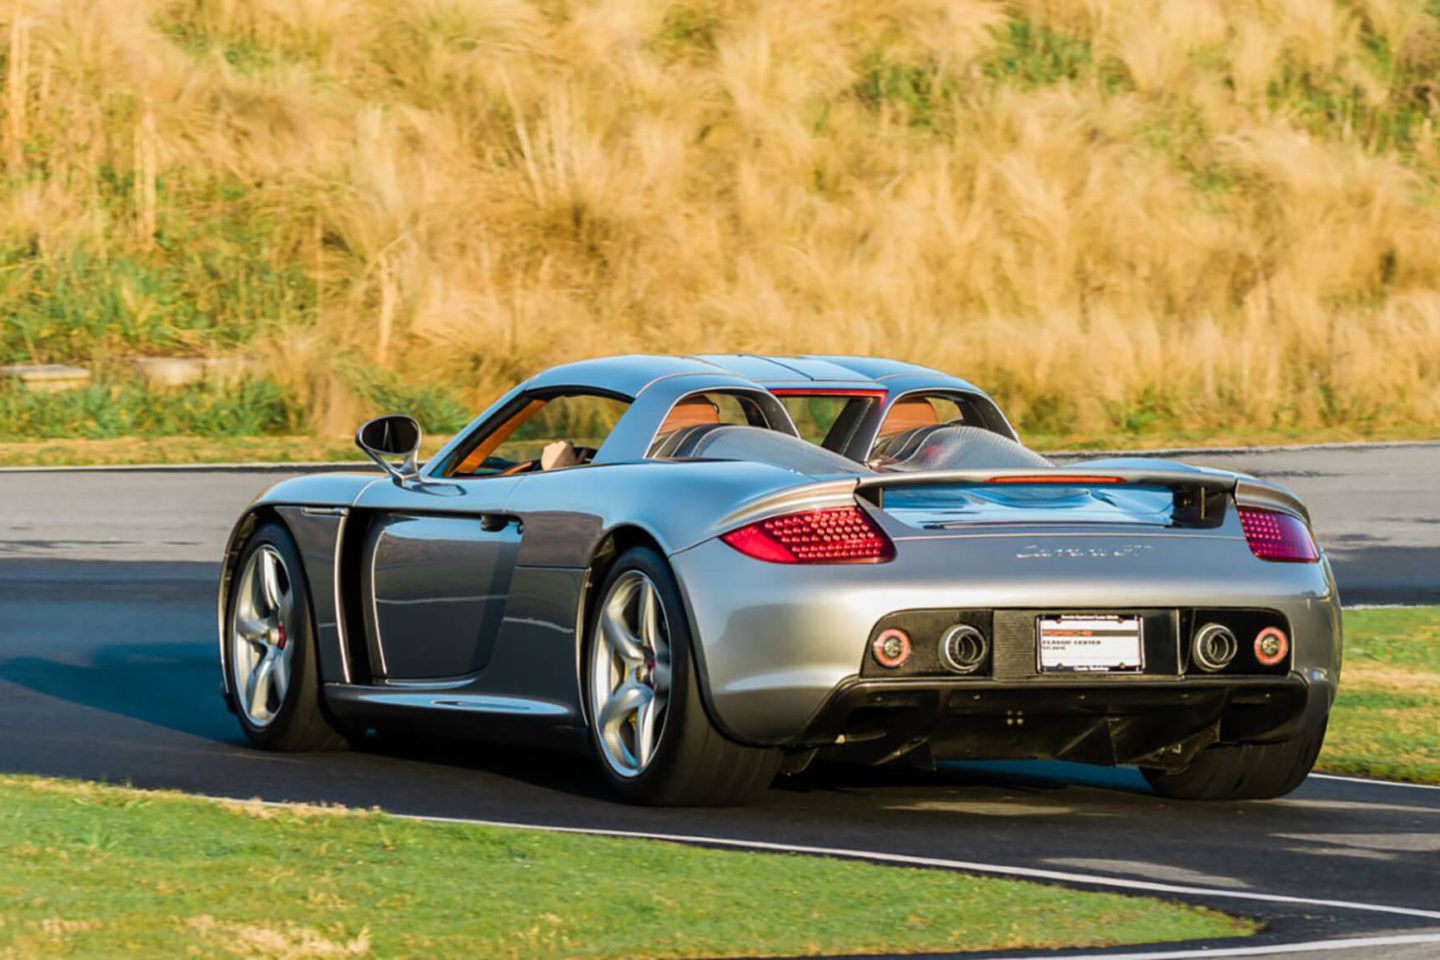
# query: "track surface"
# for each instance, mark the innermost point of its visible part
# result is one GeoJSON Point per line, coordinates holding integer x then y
{"type": "Point", "coordinates": [107, 670]}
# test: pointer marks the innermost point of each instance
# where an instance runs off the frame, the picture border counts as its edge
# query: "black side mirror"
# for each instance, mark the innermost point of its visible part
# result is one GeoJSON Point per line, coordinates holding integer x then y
{"type": "Point", "coordinates": [393, 435]}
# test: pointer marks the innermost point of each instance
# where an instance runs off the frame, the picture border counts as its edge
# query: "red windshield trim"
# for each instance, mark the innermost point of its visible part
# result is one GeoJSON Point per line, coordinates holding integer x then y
{"type": "Point", "coordinates": [1063, 478]}
{"type": "Point", "coordinates": [827, 392]}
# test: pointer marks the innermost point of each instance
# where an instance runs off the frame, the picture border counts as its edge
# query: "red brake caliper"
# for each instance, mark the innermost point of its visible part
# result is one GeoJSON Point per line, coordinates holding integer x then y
{"type": "Point", "coordinates": [280, 638]}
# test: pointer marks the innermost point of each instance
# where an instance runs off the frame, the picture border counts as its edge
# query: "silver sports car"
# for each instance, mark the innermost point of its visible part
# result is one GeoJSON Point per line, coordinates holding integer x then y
{"type": "Point", "coordinates": [713, 569]}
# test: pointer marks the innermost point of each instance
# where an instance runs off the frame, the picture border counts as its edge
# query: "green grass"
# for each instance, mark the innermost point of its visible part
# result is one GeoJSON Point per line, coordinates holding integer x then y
{"type": "Point", "coordinates": [1386, 721]}
{"type": "Point", "coordinates": [218, 273]}
{"type": "Point", "coordinates": [256, 407]}
{"type": "Point", "coordinates": [127, 408]}
{"type": "Point", "coordinates": [89, 870]}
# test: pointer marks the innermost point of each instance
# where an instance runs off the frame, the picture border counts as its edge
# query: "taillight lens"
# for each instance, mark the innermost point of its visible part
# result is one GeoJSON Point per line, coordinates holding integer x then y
{"type": "Point", "coordinates": [1278, 536]}
{"type": "Point", "coordinates": [833, 535]}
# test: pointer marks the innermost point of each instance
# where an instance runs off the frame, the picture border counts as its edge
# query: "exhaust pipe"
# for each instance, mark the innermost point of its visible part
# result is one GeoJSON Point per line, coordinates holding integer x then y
{"type": "Point", "coordinates": [963, 649]}
{"type": "Point", "coordinates": [1214, 647]}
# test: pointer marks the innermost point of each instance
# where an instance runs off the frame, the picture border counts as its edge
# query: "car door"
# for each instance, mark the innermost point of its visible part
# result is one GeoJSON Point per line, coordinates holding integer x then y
{"type": "Point", "coordinates": [436, 564]}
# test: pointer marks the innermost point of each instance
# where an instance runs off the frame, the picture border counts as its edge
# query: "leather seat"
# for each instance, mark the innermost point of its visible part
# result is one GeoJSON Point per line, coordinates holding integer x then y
{"type": "Point", "coordinates": [690, 412]}
{"type": "Point", "coordinates": [907, 415]}
{"type": "Point", "coordinates": [685, 422]}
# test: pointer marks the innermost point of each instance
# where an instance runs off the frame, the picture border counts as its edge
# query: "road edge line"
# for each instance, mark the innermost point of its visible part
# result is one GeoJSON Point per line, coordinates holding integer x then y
{"type": "Point", "coordinates": [963, 866]}
{"type": "Point", "coordinates": [1373, 781]}
{"type": "Point", "coordinates": [1274, 949]}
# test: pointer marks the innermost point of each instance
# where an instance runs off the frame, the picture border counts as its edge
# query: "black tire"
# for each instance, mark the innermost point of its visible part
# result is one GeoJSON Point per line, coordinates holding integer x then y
{"type": "Point", "coordinates": [693, 763]}
{"type": "Point", "coordinates": [299, 724]}
{"type": "Point", "coordinates": [1251, 771]}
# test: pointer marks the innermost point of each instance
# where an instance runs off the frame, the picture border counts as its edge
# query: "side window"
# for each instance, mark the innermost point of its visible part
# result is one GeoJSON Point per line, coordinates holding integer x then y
{"type": "Point", "coordinates": [694, 413]}
{"type": "Point", "coordinates": [908, 413]}
{"type": "Point", "coordinates": [516, 444]}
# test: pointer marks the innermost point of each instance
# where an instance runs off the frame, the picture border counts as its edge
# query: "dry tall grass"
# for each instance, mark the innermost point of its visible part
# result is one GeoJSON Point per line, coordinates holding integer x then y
{"type": "Point", "coordinates": [1111, 213]}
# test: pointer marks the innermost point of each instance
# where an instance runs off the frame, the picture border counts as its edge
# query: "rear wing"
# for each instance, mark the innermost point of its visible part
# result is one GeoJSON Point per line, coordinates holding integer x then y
{"type": "Point", "coordinates": [1200, 496]}
{"type": "Point", "coordinates": [1200, 493]}
{"type": "Point", "coordinates": [1076, 476]}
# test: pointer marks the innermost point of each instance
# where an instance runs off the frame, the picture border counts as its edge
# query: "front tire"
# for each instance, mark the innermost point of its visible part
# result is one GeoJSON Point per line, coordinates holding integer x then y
{"type": "Point", "coordinates": [1250, 771]}
{"type": "Point", "coordinates": [271, 663]}
{"type": "Point", "coordinates": [648, 727]}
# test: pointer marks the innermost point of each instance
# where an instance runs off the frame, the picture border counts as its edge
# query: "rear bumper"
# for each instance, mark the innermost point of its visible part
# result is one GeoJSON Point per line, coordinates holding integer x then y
{"type": "Point", "coordinates": [777, 643]}
{"type": "Point", "coordinates": [1107, 722]}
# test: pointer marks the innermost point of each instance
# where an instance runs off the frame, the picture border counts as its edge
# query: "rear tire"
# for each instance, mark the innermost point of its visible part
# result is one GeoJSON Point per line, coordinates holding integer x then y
{"type": "Point", "coordinates": [1252, 771]}
{"type": "Point", "coordinates": [674, 756]}
{"type": "Point", "coordinates": [271, 663]}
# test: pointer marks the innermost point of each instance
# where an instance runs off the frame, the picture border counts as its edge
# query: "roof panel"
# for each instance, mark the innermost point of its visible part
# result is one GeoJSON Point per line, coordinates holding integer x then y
{"type": "Point", "coordinates": [626, 374]}
{"type": "Point", "coordinates": [753, 366]}
{"type": "Point", "coordinates": [821, 368]}
{"type": "Point", "coordinates": [872, 368]}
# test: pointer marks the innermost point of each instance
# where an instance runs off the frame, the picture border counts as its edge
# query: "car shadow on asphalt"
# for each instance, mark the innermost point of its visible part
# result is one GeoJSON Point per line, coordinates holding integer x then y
{"type": "Point", "coordinates": [168, 684]}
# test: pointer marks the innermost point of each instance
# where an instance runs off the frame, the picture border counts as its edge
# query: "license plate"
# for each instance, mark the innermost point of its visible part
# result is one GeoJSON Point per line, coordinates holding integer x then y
{"type": "Point", "coordinates": [1090, 644]}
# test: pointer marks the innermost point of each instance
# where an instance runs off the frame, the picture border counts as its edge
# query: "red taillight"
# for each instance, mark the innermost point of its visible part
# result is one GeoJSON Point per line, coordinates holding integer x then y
{"type": "Point", "coordinates": [833, 535]}
{"type": "Point", "coordinates": [1274, 535]}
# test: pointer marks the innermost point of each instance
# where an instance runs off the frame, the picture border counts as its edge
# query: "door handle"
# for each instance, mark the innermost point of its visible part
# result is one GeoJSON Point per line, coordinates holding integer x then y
{"type": "Point", "coordinates": [493, 522]}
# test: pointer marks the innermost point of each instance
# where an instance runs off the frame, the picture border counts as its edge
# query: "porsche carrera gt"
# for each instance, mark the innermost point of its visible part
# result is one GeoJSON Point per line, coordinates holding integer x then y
{"type": "Point", "coordinates": [709, 570]}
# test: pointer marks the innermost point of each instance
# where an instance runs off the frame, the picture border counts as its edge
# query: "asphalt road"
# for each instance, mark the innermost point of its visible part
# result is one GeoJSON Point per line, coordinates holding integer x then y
{"type": "Point", "coordinates": [107, 670]}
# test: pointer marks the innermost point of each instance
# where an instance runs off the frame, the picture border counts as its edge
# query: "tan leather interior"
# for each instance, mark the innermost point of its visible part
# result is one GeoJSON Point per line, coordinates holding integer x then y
{"type": "Point", "coordinates": [502, 433]}
{"type": "Point", "coordinates": [691, 412]}
{"type": "Point", "coordinates": [907, 415]}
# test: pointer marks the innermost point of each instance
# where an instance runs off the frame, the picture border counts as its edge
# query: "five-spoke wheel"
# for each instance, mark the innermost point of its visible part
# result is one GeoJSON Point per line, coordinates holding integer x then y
{"type": "Point", "coordinates": [648, 726]}
{"type": "Point", "coordinates": [261, 625]}
{"type": "Point", "coordinates": [630, 673]}
{"type": "Point", "coordinates": [270, 659]}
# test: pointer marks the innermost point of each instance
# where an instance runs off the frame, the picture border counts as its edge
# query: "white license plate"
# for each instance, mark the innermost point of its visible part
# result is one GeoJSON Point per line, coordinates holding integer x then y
{"type": "Point", "coordinates": [1090, 644]}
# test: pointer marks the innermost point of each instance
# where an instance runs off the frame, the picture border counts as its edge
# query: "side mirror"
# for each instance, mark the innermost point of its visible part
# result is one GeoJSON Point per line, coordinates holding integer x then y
{"type": "Point", "coordinates": [393, 435]}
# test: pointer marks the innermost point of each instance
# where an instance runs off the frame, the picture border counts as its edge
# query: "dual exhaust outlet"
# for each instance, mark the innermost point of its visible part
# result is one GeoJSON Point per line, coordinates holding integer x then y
{"type": "Point", "coordinates": [962, 648]}
{"type": "Point", "coordinates": [1215, 647]}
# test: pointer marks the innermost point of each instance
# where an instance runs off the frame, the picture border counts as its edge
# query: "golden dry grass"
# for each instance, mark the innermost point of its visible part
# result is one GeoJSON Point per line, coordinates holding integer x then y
{"type": "Point", "coordinates": [1114, 215]}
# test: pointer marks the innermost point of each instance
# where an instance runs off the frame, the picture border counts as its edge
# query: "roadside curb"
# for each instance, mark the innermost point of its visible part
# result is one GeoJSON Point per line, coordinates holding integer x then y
{"type": "Point", "coordinates": [308, 466]}
{"type": "Point", "coordinates": [303, 466]}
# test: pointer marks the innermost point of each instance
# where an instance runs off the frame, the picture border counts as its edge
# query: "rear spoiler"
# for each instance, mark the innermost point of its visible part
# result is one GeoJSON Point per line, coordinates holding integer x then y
{"type": "Point", "coordinates": [1077, 477]}
{"type": "Point", "coordinates": [1200, 496]}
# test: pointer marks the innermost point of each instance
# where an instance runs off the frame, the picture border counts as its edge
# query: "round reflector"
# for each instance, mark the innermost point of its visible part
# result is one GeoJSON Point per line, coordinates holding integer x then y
{"type": "Point", "coordinates": [1271, 645]}
{"type": "Point", "coordinates": [891, 648]}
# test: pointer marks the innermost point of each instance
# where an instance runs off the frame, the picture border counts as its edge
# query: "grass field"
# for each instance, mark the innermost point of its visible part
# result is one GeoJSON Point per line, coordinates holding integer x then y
{"type": "Point", "coordinates": [1131, 218]}
{"type": "Point", "coordinates": [87, 870]}
{"type": "Point", "coordinates": [1386, 722]}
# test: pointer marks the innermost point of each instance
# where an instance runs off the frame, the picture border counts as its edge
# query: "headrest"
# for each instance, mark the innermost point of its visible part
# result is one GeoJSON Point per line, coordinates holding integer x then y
{"type": "Point", "coordinates": [907, 415]}
{"type": "Point", "coordinates": [691, 412]}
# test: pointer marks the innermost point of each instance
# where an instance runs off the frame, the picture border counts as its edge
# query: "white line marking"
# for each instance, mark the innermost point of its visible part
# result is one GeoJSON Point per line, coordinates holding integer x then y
{"type": "Point", "coordinates": [1276, 448]}
{"type": "Point", "coordinates": [1385, 606]}
{"type": "Point", "coordinates": [260, 466]}
{"type": "Point", "coordinates": [1315, 946]}
{"type": "Point", "coordinates": [967, 866]}
{"type": "Point", "coordinates": [1376, 783]}
{"type": "Point", "coordinates": [1028, 873]}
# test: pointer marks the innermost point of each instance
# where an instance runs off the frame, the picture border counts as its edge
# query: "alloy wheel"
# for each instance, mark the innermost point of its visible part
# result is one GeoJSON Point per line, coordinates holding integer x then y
{"type": "Point", "coordinates": [630, 674]}
{"type": "Point", "coordinates": [261, 635]}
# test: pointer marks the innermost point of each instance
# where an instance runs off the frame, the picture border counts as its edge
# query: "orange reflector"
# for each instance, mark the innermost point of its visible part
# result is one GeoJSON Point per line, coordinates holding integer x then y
{"type": "Point", "coordinates": [1065, 478]}
{"type": "Point", "coordinates": [1271, 645]}
{"type": "Point", "coordinates": [892, 648]}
